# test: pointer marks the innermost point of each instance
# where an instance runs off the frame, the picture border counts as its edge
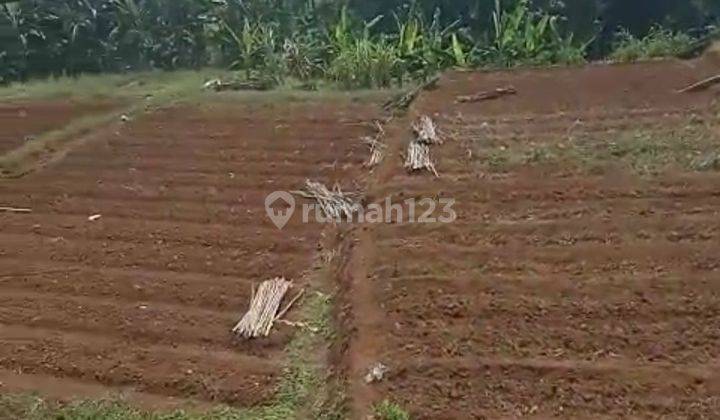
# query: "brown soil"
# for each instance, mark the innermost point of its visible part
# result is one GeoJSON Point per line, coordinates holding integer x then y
{"type": "Point", "coordinates": [21, 122]}
{"type": "Point", "coordinates": [560, 291]}
{"type": "Point", "coordinates": [556, 293]}
{"type": "Point", "coordinates": [142, 300]}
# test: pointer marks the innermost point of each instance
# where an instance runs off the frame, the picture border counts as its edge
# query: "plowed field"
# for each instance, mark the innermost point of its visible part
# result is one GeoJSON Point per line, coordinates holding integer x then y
{"type": "Point", "coordinates": [142, 299]}
{"type": "Point", "coordinates": [25, 121]}
{"type": "Point", "coordinates": [580, 279]}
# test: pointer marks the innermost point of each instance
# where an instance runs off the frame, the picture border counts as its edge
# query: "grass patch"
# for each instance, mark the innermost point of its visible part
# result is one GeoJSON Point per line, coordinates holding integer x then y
{"type": "Point", "coordinates": [658, 43]}
{"type": "Point", "coordinates": [126, 86]}
{"type": "Point", "coordinates": [139, 85]}
{"type": "Point", "coordinates": [27, 407]}
{"type": "Point", "coordinates": [300, 393]}
{"type": "Point", "coordinates": [388, 410]}
{"type": "Point", "coordinates": [693, 146]}
{"type": "Point", "coordinates": [302, 386]}
{"type": "Point", "coordinates": [148, 94]}
{"type": "Point", "coordinates": [651, 152]}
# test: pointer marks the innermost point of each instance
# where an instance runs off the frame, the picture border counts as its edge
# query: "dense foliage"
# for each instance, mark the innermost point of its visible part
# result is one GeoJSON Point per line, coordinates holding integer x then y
{"type": "Point", "coordinates": [357, 43]}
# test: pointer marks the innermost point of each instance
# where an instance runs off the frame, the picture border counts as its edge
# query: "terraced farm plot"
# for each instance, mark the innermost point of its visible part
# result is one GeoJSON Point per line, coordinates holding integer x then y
{"type": "Point", "coordinates": [141, 298]}
{"type": "Point", "coordinates": [581, 277]}
{"type": "Point", "coordinates": [24, 121]}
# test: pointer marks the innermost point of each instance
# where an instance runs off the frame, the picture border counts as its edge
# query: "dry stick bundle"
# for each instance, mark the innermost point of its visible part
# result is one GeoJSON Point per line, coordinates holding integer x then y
{"type": "Point", "coordinates": [219, 85]}
{"type": "Point", "coordinates": [486, 96]}
{"type": "Point", "coordinates": [425, 131]}
{"type": "Point", "coordinates": [418, 158]}
{"type": "Point", "coordinates": [418, 152]}
{"type": "Point", "coordinates": [335, 204]}
{"type": "Point", "coordinates": [264, 305]}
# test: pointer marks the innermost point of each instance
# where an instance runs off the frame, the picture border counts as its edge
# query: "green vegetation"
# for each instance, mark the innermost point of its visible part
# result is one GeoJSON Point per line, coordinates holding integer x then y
{"type": "Point", "coordinates": [387, 410]}
{"type": "Point", "coordinates": [690, 146]}
{"type": "Point", "coordinates": [301, 388]}
{"type": "Point", "coordinates": [352, 44]}
{"type": "Point", "coordinates": [659, 42]}
{"type": "Point", "coordinates": [27, 407]}
{"type": "Point", "coordinates": [524, 36]}
{"type": "Point", "coordinates": [47, 37]}
{"type": "Point", "coordinates": [122, 87]}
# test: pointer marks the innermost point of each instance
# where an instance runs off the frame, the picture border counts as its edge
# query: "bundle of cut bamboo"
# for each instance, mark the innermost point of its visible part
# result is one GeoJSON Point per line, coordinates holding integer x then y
{"type": "Point", "coordinates": [264, 305]}
{"type": "Point", "coordinates": [335, 204]}
{"type": "Point", "coordinates": [425, 131]}
{"type": "Point", "coordinates": [417, 157]}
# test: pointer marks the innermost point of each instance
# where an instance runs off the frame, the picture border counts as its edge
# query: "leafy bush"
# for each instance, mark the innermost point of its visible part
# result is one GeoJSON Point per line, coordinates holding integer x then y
{"type": "Point", "coordinates": [12, 53]}
{"type": "Point", "coordinates": [364, 64]}
{"type": "Point", "coordinates": [659, 42]}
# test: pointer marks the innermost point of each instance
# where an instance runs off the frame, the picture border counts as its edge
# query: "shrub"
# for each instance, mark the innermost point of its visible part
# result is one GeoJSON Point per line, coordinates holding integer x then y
{"type": "Point", "coordinates": [659, 42]}
{"type": "Point", "coordinates": [365, 64]}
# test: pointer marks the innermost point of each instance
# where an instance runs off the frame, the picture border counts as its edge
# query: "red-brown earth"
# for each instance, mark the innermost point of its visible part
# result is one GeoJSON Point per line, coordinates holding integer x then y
{"type": "Point", "coordinates": [580, 279]}
{"type": "Point", "coordinates": [22, 122]}
{"type": "Point", "coordinates": [559, 291]}
{"type": "Point", "coordinates": [142, 299]}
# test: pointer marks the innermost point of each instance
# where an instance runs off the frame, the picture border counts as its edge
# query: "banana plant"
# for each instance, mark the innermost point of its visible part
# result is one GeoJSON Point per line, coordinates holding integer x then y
{"type": "Point", "coordinates": [410, 37]}
{"type": "Point", "coordinates": [523, 35]}
{"type": "Point", "coordinates": [459, 54]}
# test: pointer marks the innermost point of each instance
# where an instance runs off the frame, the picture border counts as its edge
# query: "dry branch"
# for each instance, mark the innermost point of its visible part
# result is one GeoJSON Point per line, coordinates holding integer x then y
{"type": "Point", "coordinates": [289, 305]}
{"type": "Point", "coordinates": [299, 324]}
{"type": "Point", "coordinates": [218, 85]}
{"type": "Point", "coordinates": [335, 204]}
{"type": "Point", "coordinates": [402, 103]}
{"type": "Point", "coordinates": [377, 152]}
{"type": "Point", "coordinates": [488, 95]}
{"type": "Point", "coordinates": [264, 305]}
{"type": "Point", "coordinates": [701, 85]}
{"type": "Point", "coordinates": [14, 210]}
{"type": "Point", "coordinates": [376, 146]}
